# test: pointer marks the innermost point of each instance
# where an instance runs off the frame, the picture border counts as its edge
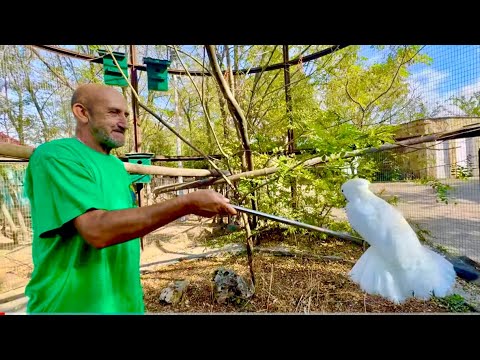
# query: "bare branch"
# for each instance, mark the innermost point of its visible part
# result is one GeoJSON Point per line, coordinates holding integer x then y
{"type": "Point", "coordinates": [209, 122]}
{"type": "Point", "coordinates": [351, 98]}
{"type": "Point", "coordinates": [61, 77]}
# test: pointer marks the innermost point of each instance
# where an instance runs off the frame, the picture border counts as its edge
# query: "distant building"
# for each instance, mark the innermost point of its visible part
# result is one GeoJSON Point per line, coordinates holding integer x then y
{"type": "Point", "coordinates": [456, 157]}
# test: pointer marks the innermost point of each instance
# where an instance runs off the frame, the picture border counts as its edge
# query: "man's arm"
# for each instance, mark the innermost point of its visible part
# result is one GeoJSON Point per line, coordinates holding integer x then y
{"type": "Point", "coordinates": [102, 228]}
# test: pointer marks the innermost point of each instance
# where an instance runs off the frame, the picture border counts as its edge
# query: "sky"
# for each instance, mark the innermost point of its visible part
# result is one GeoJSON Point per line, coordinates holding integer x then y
{"type": "Point", "coordinates": [454, 71]}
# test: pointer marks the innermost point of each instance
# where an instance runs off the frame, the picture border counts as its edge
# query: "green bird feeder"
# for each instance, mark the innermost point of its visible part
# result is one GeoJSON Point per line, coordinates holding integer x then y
{"type": "Point", "coordinates": [157, 73]}
{"type": "Point", "coordinates": [111, 74]}
{"type": "Point", "coordinates": [140, 159]}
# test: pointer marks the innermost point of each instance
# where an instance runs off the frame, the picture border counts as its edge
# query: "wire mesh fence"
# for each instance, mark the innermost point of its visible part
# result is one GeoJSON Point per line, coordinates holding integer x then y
{"type": "Point", "coordinates": [441, 200]}
{"type": "Point", "coordinates": [443, 81]}
{"type": "Point", "coordinates": [442, 209]}
{"type": "Point", "coordinates": [15, 228]}
{"type": "Point", "coordinates": [436, 184]}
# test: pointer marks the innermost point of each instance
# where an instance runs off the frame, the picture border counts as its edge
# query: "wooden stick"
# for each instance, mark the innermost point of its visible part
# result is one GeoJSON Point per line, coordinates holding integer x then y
{"type": "Point", "coordinates": [15, 151]}
{"type": "Point", "coordinates": [24, 152]}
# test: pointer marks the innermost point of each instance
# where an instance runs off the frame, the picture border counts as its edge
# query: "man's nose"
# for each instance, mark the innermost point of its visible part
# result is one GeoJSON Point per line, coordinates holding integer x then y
{"type": "Point", "coordinates": [124, 124]}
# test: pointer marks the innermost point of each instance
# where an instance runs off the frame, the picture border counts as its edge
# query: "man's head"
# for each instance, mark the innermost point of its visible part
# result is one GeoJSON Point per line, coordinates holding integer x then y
{"type": "Point", "coordinates": [353, 187]}
{"type": "Point", "coordinates": [101, 113]}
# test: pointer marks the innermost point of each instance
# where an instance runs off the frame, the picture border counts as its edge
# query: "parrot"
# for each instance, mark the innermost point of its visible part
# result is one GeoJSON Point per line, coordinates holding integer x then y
{"type": "Point", "coordinates": [395, 265]}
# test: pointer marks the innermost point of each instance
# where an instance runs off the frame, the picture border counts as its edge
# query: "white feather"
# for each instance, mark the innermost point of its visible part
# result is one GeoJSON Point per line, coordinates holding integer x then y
{"type": "Point", "coordinates": [396, 265]}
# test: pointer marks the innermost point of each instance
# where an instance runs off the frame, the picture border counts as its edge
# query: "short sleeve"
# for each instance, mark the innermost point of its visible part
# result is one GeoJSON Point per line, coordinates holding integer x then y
{"type": "Point", "coordinates": [60, 190]}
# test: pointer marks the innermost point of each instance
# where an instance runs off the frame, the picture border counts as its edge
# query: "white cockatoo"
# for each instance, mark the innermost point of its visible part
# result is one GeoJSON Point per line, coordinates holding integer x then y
{"type": "Point", "coordinates": [396, 265]}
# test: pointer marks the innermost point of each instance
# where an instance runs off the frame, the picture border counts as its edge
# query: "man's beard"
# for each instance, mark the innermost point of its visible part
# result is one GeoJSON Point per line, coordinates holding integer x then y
{"type": "Point", "coordinates": [107, 141]}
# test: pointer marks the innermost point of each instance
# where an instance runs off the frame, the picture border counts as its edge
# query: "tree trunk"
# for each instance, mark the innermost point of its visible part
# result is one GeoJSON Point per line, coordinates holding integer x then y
{"type": "Point", "coordinates": [238, 117]}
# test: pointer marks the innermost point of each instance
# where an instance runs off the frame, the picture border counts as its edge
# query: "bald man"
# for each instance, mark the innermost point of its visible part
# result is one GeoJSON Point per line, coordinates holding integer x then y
{"type": "Point", "coordinates": [86, 225]}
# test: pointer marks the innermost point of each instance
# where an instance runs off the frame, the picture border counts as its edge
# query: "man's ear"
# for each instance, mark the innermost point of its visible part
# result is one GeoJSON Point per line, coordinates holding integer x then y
{"type": "Point", "coordinates": [80, 112]}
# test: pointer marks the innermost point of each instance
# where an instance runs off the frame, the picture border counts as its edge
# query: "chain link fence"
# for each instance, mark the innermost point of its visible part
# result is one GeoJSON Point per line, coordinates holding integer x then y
{"type": "Point", "coordinates": [437, 188]}
{"type": "Point", "coordinates": [15, 228]}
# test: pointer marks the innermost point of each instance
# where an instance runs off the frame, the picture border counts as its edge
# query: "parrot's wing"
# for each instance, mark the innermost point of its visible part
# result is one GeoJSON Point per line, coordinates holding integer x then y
{"type": "Point", "coordinates": [366, 219]}
{"type": "Point", "coordinates": [400, 243]}
{"type": "Point", "coordinates": [383, 226]}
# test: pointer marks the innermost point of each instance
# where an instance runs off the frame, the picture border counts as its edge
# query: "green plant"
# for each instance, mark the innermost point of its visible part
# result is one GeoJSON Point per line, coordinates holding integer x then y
{"type": "Point", "coordinates": [392, 200]}
{"type": "Point", "coordinates": [422, 233]}
{"type": "Point", "coordinates": [462, 172]}
{"type": "Point", "coordinates": [440, 188]}
{"type": "Point", "coordinates": [454, 303]}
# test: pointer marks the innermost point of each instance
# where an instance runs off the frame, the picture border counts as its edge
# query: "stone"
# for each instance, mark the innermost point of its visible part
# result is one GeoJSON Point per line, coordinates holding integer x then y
{"type": "Point", "coordinates": [175, 292]}
{"type": "Point", "coordinates": [230, 287]}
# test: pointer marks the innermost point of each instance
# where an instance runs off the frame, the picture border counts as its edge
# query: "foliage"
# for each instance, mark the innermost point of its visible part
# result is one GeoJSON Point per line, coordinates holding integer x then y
{"type": "Point", "coordinates": [454, 303]}
{"type": "Point", "coordinates": [440, 188]}
{"type": "Point", "coordinates": [463, 172]}
{"type": "Point", "coordinates": [469, 105]}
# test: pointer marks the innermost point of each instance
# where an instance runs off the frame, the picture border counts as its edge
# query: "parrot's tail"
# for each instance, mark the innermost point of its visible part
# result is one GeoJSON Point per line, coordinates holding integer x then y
{"type": "Point", "coordinates": [376, 277]}
{"type": "Point", "coordinates": [433, 275]}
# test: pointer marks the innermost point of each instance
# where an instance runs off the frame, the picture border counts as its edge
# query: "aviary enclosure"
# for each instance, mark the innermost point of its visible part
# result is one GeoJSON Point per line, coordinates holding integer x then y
{"type": "Point", "coordinates": [278, 129]}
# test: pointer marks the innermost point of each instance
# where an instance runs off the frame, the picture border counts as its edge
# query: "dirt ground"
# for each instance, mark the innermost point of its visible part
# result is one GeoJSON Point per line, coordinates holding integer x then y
{"type": "Point", "coordinates": [15, 268]}
{"type": "Point", "coordinates": [284, 284]}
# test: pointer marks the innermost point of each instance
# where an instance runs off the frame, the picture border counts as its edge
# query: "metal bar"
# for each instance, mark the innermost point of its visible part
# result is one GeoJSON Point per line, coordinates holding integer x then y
{"type": "Point", "coordinates": [290, 135]}
{"type": "Point", "coordinates": [299, 224]}
{"type": "Point", "coordinates": [74, 54]}
{"type": "Point", "coordinates": [294, 61]}
{"type": "Point", "coordinates": [136, 127]}
{"type": "Point", "coordinates": [133, 75]}
{"type": "Point", "coordinates": [71, 53]}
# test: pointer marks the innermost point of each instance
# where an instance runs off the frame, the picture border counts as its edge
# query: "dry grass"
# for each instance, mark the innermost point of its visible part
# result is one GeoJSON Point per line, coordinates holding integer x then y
{"type": "Point", "coordinates": [283, 284]}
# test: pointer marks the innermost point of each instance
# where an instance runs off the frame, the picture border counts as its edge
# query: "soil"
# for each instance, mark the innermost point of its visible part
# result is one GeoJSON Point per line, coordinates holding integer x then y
{"type": "Point", "coordinates": [283, 284]}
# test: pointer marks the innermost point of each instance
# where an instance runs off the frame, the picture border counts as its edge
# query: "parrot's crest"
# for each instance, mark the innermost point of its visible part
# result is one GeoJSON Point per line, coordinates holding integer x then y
{"type": "Point", "coordinates": [353, 186]}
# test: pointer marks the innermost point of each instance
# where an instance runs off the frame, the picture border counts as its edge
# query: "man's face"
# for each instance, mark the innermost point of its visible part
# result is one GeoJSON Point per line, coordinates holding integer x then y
{"type": "Point", "coordinates": [108, 119]}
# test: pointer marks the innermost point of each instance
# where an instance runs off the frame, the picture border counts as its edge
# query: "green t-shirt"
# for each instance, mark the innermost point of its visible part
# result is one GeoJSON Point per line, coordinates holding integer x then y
{"type": "Point", "coordinates": [64, 179]}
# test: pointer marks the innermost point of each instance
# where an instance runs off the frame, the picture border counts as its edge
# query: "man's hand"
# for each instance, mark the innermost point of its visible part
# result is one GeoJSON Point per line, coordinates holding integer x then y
{"type": "Point", "coordinates": [208, 203]}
